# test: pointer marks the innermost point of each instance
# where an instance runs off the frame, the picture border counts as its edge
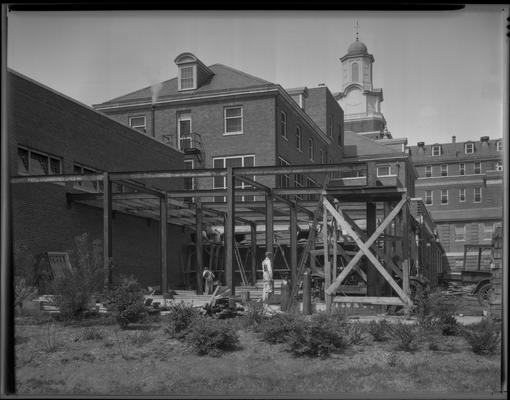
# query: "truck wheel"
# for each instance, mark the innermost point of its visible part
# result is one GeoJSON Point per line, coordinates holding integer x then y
{"type": "Point", "coordinates": [484, 295]}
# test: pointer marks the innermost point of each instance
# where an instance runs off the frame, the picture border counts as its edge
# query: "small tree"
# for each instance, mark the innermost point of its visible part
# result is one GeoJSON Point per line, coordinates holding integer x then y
{"type": "Point", "coordinates": [127, 301]}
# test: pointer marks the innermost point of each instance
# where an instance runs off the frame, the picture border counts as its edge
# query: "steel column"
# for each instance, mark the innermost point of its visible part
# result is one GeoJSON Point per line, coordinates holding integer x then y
{"type": "Point", "coordinates": [107, 230]}
{"type": "Point", "coordinates": [163, 224]}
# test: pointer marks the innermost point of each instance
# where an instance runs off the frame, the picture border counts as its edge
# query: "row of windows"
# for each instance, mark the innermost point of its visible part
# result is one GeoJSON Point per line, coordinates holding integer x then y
{"type": "Point", "coordinates": [477, 168]}
{"type": "Point", "coordinates": [284, 181]}
{"type": "Point", "coordinates": [460, 232]}
{"type": "Point", "coordinates": [429, 196]}
{"type": "Point", "coordinates": [469, 148]}
{"type": "Point", "coordinates": [35, 162]}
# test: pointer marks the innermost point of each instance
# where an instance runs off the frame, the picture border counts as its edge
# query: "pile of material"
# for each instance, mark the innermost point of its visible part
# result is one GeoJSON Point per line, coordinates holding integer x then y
{"type": "Point", "coordinates": [222, 305]}
{"type": "Point", "coordinates": [459, 289]}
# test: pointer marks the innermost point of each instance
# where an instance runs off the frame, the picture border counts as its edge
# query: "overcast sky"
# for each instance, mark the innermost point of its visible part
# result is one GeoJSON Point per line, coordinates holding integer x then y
{"type": "Point", "coordinates": [442, 73]}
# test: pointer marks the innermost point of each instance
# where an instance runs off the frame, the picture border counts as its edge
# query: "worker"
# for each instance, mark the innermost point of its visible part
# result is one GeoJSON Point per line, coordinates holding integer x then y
{"type": "Point", "coordinates": [209, 280]}
{"type": "Point", "coordinates": [267, 276]}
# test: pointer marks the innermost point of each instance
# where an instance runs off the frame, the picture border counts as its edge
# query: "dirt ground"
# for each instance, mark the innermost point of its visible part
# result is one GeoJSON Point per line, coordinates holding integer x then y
{"type": "Point", "coordinates": [96, 357]}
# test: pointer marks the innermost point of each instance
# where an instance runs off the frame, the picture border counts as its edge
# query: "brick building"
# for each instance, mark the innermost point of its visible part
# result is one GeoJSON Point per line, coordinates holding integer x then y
{"type": "Point", "coordinates": [49, 134]}
{"type": "Point", "coordinates": [221, 117]}
{"type": "Point", "coordinates": [461, 184]}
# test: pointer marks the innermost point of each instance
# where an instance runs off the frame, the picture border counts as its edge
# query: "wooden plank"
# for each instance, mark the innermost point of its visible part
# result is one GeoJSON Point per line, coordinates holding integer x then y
{"type": "Point", "coordinates": [372, 274]}
{"type": "Point", "coordinates": [327, 265]}
{"type": "Point", "coordinates": [364, 248]}
{"type": "Point", "coordinates": [163, 243]}
{"type": "Point", "coordinates": [394, 301]}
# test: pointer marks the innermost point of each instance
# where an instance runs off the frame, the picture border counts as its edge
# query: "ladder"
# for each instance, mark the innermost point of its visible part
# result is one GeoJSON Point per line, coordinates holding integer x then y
{"type": "Point", "coordinates": [308, 247]}
{"type": "Point", "coordinates": [240, 264]}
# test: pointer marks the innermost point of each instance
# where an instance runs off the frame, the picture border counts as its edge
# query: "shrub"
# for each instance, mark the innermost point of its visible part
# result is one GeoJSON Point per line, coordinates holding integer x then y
{"type": "Point", "coordinates": [277, 328]}
{"type": "Point", "coordinates": [436, 311]}
{"type": "Point", "coordinates": [378, 330]}
{"type": "Point", "coordinates": [353, 332]}
{"type": "Point", "coordinates": [179, 319]}
{"type": "Point", "coordinates": [22, 291]}
{"type": "Point", "coordinates": [483, 337]}
{"type": "Point", "coordinates": [448, 325]}
{"type": "Point", "coordinates": [208, 336]}
{"type": "Point", "coordinates": [254, 314]}
{"type": "Point", "coordinates": [92, 333]}
{"type": "Point", "coordinates": [127, 302]}
{"type": "Point", "coordinates": [51, 338]}
{"type": "Point", "coordinates": [74, 290]}
{"type": "Point", "coordinates": [141, 338]}
{"type": "Point", "coordinates": [406, 336]}
{"type": "Point", "coordinates": [317, 338]}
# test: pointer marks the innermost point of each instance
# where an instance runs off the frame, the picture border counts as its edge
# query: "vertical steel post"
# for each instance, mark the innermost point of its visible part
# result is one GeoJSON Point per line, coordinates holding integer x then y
{"type": "Point", "coordinates": [269, 223]}
{"type": "Point", "coordinates": [163, 225]}
{"type": "Point", "coordinates": [253, 234]}
{"type": "Point", "coordinates": [107, 230]}
{"type": "Point", "coordinates": [198, 245]}
{"type": "Point", "coordinates": [293, 243]}
{"type": "Point", "coordinates": [230, 231]}
{"type": "Point", "coordinates": [327, 265]}
{"type": "Point", "coordinates": [372, 273]}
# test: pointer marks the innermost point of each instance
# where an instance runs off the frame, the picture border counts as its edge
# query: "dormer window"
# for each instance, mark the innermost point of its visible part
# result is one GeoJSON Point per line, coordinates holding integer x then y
{"type": "Point", "coordinates": [436, 150]}
{"type": "Point", "coordinates": [187, 77]}
{"type": "Point", "coordinates": [469, 148]}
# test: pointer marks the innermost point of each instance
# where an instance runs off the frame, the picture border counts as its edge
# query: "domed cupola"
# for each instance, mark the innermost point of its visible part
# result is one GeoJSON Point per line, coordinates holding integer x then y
{"type": "Point", "coordinates": [357, 48]}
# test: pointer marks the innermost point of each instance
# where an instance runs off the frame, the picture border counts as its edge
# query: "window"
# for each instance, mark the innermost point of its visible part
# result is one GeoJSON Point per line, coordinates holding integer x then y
{"type": "Point", "coordinates": [321, 156]}
{"type": "Point", "coordinates": [499, 166]}
{"type": "Point", "coordinates": [36, 163]}
{"type": "Point", "coordinates": [88, 186]}
{"type": "Point", "coordinates": [462, 169]}
{"type": "Point", "coordinates": [233, 120]}
{"type": "Point", "coordinates": [355, 72]}
{"type": "Point", "coordinates": [460, 233]}
{"type": "Point", "coordinates": [330, 125]}
{"type": "Point", "coordinates": [444, 169]}
{"type": "Point", "coordinates": [488, 229]}
{"type": "Point", "coordinates": [428, 197]}
{"type": "Point", "coordinates": [299, 180]}
{"type": "Point", "coordinates": [444, 196]}
{"type": "Point", "coordinates": [138, 123]}
{"type": "Point", "coordinates": [184, 129]}
{"type": "Point", "coordinates": [436, 150]}
{"type": "Point", "coordinates": [339, 139]}
{"type": "Point", "coordinates": [384, 170]}
{"type": "Point", "coordinates": [311, 150]}
{"type": "Point", "coordinates": [298, 138]}
{"type": "Point", "coordinates": [469, 148]}
{"type": "Point", "coordinates": [477, 195]}
{"type": "Point", "coordinates": [187, 78]}
{"type": "Point", "coordinates": [428, 171]}
{"type": "Point", "coordinates": [282, 181]}
{"type": "Point", "coordinates": [189, 183]}
{"type": "Point", "coordinates": [499, 145]}
{"type": "Point", "coordinates": [220, 182]}
{"type": "Point", "coordinates": [462, 195]}
{"type": "Point", "coordinates": [478, 167]}
{"type": "Point", "coordinates": [283, 125]}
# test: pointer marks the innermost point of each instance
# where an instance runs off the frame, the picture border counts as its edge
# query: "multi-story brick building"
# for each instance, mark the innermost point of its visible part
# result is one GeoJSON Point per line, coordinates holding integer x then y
{"type": "Point", "coordinates": [461, 184]}
{"type": "Point", "coordinates": [222, 117]}
{"type": "Point", "coordinates": [49, 134]}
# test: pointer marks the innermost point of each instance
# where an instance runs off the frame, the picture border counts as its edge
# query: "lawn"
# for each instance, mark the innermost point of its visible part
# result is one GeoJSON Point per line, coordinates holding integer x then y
{"type": "Point", "coordinates": [96, 357]}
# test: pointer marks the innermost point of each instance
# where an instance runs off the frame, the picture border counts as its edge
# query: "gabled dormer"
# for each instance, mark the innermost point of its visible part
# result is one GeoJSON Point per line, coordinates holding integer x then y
{"type": "Point", "coordinates": [192, 73]}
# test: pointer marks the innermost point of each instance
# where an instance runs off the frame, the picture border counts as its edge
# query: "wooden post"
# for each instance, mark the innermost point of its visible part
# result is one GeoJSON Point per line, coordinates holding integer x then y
{"type": "Point", "coordinates": [107, 230]}
{"type": "Point", "coordinates": [253, 230]}
{"type": "Point", "coordinates": [333, 268]}
{"type": "Point", "coordinates": [327, 265]}
{"type": "Point", "coordinates": [163, 224]}
{"type": "Point", "coordinates": [307, 293]}
{"type": "Point", "coordinates": [269, 223]}
{"type": "Point", "coordinates": [293, 243]}
{"type": "Point", "coordinates": [372, 274]}
{"type": "Point", "coordinates": [229, 235]}
{"type": "Point", "coordinates": [405, 276]}
{"type": "Point", "coordinates": [371, 174]}
{"type": "Point", "coordinates": [199, 247]}
{"type": "Point", "coordinates": [387, 244]}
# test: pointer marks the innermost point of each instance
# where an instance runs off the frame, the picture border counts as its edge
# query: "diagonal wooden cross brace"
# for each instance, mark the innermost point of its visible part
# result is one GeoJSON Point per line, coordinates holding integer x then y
{"type": "Point", "coordinates": [365, 249]}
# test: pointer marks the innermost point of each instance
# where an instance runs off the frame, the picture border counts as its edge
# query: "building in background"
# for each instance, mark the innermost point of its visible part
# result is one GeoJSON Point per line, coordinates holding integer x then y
{"type": "Point", "coordinates": [461, 184]}
{"type": "Point", "coordinates": [222, 117]}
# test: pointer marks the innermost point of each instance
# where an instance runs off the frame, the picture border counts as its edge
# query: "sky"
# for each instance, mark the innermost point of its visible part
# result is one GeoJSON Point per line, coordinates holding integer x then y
{"type": "Point", "coordinates": [443, 73]}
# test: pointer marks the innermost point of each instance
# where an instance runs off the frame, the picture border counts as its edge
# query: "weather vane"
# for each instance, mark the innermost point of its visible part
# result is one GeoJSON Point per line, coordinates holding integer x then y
{"type": "Point", "coordinates": [357, 29]}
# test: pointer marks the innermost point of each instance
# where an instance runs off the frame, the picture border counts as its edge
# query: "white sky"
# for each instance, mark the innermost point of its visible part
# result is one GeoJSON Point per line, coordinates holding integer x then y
{"type": "Point", "coordinates": [442, 73]}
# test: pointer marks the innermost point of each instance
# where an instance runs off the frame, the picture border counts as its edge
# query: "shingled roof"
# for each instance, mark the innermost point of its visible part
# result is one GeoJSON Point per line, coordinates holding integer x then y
{"type": "Point", "coordinates": [224, 79]}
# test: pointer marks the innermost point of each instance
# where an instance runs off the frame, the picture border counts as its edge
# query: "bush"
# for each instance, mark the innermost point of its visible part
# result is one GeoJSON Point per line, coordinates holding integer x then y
{"type": "Point", "coordinates": [92, 333]}
{"type": "Point", "coordinates": [254, 314]}
{"type": "Point", "coordinates": [179, 319]}
{"type": "Point", "coordinates": [406, 336]}
{"type": "Point", "coordinates": [448, 325]}
{"type": "Point", "coordinates": [378, 330]}
{"type": "Point", "coordinates": [318, 338]}
{"type": "Point", "coordinates": [277, 328]}
{"type": "Point", "coordinates": [208, 336]}
{"type": "Point", "coordinates": [127, 302]}
{"type": "Point", "coordinates": [22, 291]}
{"type": "Point", "coordinates": [353, 332]}
{"type": "Point", "coordinates": [483, 337]}
{"type": "Point", "coordinates": [74, 290]}
{"type": "Point", "coordinates": [436, 311]}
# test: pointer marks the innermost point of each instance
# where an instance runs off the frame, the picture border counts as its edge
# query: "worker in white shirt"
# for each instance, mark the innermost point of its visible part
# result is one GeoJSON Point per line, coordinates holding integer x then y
{"type": "Point", "coordinates": [267, 276]}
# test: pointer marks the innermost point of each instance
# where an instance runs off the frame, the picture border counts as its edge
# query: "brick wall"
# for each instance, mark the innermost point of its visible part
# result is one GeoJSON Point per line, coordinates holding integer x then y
{"type": "Point", "coordinates": [43, 120]}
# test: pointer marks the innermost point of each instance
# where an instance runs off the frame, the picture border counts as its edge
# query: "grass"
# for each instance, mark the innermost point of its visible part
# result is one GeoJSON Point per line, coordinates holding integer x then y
{"type": "Point", "coordinates": [144, 361]}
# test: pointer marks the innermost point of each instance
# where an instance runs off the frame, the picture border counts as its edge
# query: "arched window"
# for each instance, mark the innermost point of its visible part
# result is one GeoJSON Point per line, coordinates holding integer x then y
{"type": "Point", "coordinates": [355, 72]}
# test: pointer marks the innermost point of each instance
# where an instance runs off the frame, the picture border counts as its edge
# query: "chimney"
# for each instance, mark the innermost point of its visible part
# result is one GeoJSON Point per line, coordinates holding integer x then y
{"type": "Point", "coordinates": [421, 146]}
{"type": "Point", "coordinates": [153, 121]}
{"type": "Point", "coordinates": [321, 84]}
{"type": "Point", "coordinates": [454, 139]}
{"type": "Point", "coordinates": [484, 138]}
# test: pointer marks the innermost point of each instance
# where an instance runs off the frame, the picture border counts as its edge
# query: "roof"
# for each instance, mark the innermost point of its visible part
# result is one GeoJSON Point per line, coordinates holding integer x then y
{"type": "Point", "coordinates": [356, 48]}
{"type": "Point", "coordinates": [224, 78]}
{"type": "Point", "coordinates": [455, 150]}
{"type": "Point", "coordinates": [365, 146]}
